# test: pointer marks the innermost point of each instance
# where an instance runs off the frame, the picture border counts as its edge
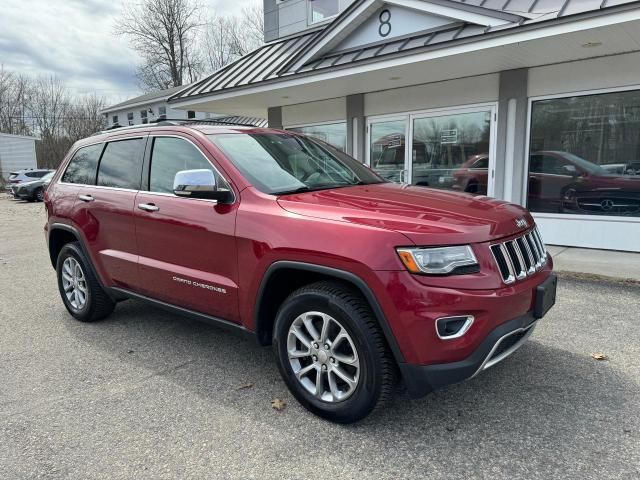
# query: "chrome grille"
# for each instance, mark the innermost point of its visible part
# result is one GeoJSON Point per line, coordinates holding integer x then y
{"type": "Point", "coordinates": [520, 257]}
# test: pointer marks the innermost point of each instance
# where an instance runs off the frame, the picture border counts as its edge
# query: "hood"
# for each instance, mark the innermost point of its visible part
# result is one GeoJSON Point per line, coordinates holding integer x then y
{"type": "Point", "coordinates": [426, 216]}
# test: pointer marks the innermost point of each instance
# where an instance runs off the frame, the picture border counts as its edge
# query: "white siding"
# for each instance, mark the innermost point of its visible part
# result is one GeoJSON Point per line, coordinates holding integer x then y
{"type": "Point", "coordinates": [594, 74]}
{"type": "Point", "coordinates": [463, 91]}
{"type": "Point", "coordinates": [314, 112]}
{"type": "Point", "coordinates": [16, 153]}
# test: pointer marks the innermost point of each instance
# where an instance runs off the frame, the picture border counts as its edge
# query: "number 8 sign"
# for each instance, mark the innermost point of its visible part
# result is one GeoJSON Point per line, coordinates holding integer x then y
{"type": "Point", "coordinates": [384, 28]}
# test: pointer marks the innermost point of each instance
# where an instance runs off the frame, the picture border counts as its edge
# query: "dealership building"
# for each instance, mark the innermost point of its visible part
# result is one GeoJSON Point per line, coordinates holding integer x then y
{"type": "Point", "coordinates": [532, 101]}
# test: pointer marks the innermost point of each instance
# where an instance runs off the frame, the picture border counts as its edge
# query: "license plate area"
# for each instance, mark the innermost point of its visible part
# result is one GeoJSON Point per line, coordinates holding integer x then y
{"type": "Point", "coordinates": [545, 296]}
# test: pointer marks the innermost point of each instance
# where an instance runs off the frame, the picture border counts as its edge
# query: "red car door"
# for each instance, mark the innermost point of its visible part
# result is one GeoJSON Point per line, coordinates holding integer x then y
{"type": "Point", "coordinates": [187, 246]}
{"type": "Point", "coordinates": [104, 211]}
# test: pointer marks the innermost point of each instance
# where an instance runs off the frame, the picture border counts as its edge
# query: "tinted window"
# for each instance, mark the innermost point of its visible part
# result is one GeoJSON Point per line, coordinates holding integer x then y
{"type": "Point", "coordinates": [83, 166]}
{"type": "Point", "coordinates": [171, 155]}
{"type": "Point", "coordinates": [121, 164]}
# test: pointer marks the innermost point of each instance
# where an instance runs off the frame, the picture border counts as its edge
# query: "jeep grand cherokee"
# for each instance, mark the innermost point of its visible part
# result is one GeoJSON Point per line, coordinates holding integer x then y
{"type": "Point", "coordinates": [356, 282]}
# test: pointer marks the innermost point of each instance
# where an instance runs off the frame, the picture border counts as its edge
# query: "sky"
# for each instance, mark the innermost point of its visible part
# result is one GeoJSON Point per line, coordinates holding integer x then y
{"type": "Point", "coordinates": [74, 40]}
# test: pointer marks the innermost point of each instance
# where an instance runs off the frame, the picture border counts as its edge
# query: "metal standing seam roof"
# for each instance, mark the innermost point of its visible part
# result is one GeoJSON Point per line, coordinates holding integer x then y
{"type": "Point", "coordinates": [273, 60]}
{"type": "Point", "coordinates": [146, 98]}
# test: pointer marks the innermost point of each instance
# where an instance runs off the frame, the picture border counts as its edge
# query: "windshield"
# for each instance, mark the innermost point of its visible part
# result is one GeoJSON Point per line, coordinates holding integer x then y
{"type": "Point", "coordinates": [280, 163]}
{"type": "Point", "coordinates": [49, 176]}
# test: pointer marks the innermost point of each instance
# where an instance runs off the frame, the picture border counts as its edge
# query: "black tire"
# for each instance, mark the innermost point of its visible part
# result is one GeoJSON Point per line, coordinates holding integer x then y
{"type": "Point", "coordinates": [377, 377]}
{"type": "Point", "coordinates": [39, 195]}
{"type": "Point", "coordinates": [98, 304]}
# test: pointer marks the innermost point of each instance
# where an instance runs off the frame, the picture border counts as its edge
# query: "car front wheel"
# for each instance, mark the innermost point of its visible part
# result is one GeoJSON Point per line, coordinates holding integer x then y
{"type": "Point", "coordinates": [331, 352]}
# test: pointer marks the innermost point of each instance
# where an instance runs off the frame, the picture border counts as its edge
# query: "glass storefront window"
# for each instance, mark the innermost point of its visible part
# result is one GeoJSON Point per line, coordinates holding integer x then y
{"type": "Point", "coordinates": [334, 134]}
{"type": "Point", "coordinates": [452, 151]}
{"type": "Point", "coordinates": [585, 155]}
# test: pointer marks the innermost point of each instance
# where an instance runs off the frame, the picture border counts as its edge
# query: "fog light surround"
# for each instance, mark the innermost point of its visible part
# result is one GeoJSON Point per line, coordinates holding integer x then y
{"type": "Point", "coordinates": [450, 328]}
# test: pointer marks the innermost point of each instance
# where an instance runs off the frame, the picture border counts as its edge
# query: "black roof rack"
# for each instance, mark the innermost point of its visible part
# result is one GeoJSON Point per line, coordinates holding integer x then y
{"type": "Point", "coordinates": [162, 121]}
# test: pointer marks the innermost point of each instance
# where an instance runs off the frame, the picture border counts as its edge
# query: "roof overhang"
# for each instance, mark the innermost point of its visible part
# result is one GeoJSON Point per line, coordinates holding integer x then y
{"type": "Point", "coordinates": [531, 45]}
{"type": "Point", "coordinates": [359, 12]}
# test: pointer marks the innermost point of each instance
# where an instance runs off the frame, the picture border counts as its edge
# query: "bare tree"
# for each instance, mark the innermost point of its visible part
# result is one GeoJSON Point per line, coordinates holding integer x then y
{"type": "Point", "coordinates": [227, 38]}
{"type": "Point", "coordinates": [14, 103]}
{"type": "Point", "coordinates": [83, 118]}
{"type": "Point", "coordinates": [163, 32]}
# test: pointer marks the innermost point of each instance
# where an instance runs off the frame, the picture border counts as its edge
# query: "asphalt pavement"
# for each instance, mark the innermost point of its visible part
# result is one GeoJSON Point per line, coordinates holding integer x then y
{"type": "Point", "coordinates": [147, 394]}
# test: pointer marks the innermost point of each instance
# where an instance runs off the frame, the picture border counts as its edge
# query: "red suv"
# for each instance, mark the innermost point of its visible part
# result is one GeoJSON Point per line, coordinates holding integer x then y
{"type": "Point", "coordinates": [357, 282]}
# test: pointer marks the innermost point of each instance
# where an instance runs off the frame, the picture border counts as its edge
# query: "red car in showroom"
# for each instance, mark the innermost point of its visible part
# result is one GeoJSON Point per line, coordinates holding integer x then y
{"type": "Point", "coordinates": [355, 281]}
{"type": "Point", "coordinates": [562, 182]}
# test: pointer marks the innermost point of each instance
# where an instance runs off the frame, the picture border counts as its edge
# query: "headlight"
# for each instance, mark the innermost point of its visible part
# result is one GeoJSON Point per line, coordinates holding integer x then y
{"type": "Point", "coordinates": [437, 261]}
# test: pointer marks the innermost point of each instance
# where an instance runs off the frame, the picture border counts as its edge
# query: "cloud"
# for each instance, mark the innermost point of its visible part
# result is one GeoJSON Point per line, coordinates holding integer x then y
{"type": "Point", "coordinates": [75, 41]}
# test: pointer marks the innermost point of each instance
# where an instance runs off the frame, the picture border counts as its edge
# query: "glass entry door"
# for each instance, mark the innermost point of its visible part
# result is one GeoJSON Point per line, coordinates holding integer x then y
{"type": "Point", "coordinates": [387, 152]}
{"type": "Point", "coordinates": [450, 149]}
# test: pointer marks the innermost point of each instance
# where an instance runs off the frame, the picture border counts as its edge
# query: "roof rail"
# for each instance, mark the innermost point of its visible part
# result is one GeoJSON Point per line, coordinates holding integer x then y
{"type": "Point", "coordinates": [215, 121]}
{"type": "Point", "coordinates": [162, 121]}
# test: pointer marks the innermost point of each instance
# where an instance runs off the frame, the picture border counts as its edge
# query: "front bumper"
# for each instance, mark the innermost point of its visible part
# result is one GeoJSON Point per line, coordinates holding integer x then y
{"type": "Point", "coordinates": [498, 345]}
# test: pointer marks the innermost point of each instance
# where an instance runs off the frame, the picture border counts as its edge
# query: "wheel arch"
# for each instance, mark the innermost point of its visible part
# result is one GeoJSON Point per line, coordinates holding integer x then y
{"type": "Point", "coordinates": [271, 294]}
{"type": "Point", "coordinates": [61, 234]}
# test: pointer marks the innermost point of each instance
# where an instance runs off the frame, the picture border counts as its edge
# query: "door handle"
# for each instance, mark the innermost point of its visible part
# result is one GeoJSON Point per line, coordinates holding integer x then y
{"type": "Point", "coordinates": [149, 207]}
{"type": "Point", "coordinates": [86, 198]}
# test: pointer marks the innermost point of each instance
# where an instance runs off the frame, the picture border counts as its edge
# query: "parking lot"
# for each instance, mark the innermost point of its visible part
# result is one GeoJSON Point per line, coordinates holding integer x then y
{"type": "Point", "coordinates": [146, 394]}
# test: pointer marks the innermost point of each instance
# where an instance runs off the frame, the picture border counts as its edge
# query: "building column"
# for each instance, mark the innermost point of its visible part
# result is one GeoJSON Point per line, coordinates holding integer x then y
{"type": "Point", "coordinates": [511, 139]}
{"type": "Point", "coordinates": [356, 127]}
{"type": "Point", "coordinates": [274, 117]}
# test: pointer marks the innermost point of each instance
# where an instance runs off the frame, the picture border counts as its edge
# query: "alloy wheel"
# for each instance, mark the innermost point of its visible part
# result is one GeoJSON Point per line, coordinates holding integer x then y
{"type": "Point", "coordinates": [323, 357]}
{"type": "Point", "coordinates": [74, 283]}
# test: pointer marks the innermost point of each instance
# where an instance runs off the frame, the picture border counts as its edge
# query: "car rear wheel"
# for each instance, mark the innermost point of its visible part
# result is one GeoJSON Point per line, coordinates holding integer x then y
{"type": "Point", "coordinates": [39, 195]}
{"type": "Point", "coordinates": [80, 290]}
{"type": "Point", "coordinates": [331, 352]}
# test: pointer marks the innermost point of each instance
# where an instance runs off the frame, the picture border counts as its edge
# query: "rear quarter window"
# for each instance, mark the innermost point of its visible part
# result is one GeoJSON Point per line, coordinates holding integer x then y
{"type": "Point", "coordinates": [83, 166]}
{"type": "Point", "coordinates": [121, 164]}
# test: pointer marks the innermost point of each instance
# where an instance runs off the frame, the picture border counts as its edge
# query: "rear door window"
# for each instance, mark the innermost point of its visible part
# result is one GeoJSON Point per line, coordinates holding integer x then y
{"type": "Point", "coordinates": [83, 166]}
{"type": "Point", "coordinates": [121, 164]}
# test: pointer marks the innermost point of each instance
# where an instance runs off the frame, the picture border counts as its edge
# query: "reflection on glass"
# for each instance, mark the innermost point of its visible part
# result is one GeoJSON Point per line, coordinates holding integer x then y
{"type": "Point", "coordinates": [451, 152]}
{"type": "Point", "coordinates": [585, 155]}
{"type": "Point", "coordinates": [387, 149]}
{"type": "Point", "coordinates": [334, 134]}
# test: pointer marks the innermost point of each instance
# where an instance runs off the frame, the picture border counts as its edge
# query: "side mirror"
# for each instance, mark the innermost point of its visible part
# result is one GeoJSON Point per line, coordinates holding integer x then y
{"type": "Point", "coordinates": [200, 184]}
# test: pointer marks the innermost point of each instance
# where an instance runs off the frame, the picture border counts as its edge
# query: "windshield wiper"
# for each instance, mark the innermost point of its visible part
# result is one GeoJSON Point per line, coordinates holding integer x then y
{"type": "Point", "coordinates": [295, 190]}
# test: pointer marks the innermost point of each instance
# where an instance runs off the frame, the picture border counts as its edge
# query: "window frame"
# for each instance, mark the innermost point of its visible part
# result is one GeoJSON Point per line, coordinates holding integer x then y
{"type": "Point", "coordinates": [146, 170]}
{"type": "Point", "coordinates": [525, 175]}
